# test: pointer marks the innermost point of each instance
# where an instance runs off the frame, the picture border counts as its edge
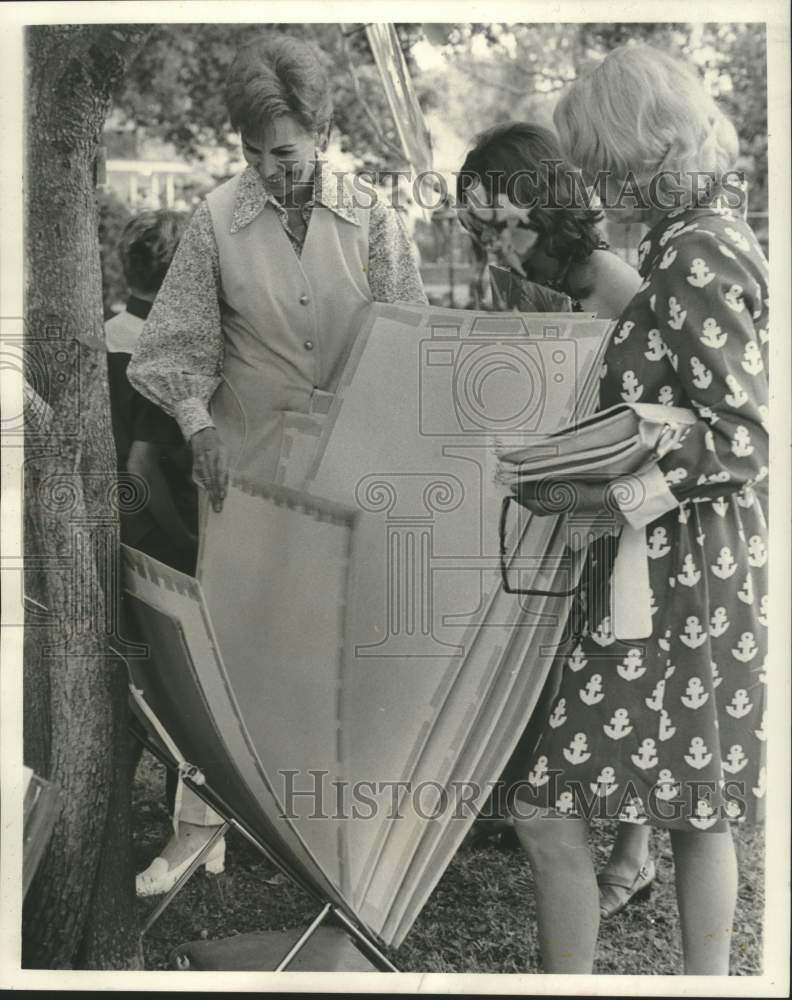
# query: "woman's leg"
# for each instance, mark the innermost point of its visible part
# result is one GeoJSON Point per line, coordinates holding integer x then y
{"type": "Point", "coordinates": [630, 848]}
{"type": "Point", "coordinates": [706, 884]}
{"type": "Point", "coordinates": [630, 851]}
{"type": "Point", "coordinates": [567, 903]}
{"type": "Point", "coordinates": [171, 785]}
{"type": "Point", "coordinates": [196, 822]}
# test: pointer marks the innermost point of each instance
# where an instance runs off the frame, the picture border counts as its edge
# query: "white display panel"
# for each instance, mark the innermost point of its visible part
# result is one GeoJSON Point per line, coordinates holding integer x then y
{"type": "Point", "coordinates": [360, 623]}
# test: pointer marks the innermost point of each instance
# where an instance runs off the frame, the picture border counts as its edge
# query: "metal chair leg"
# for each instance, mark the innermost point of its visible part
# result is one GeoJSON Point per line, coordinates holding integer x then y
{"type": "Point", "coordinates": [367, 945]}
{"type": "Point", "coordinates": [372, 952]}
{"type": "Point", "coordinates": [292, 953]}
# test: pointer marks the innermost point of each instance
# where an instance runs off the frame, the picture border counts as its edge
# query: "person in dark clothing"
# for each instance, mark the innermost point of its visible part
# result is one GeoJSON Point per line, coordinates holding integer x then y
{"type": "Point", "coordinates": [150, 447]}
{"type": "Point", "coordinates": [149, 444]}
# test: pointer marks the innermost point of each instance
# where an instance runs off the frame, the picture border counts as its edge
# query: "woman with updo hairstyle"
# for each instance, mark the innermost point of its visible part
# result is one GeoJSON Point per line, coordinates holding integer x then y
{"type": "Point", "coordinates": [274, 276]}
{"type": "Point", "coordinates": [668, 729]}
{"type": "Point", "coordinates": [270, 286]}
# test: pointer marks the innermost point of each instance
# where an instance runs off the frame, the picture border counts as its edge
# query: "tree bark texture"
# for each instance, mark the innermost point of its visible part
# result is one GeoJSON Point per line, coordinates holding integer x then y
{"type": "Point", "coordinates": [79, 911]}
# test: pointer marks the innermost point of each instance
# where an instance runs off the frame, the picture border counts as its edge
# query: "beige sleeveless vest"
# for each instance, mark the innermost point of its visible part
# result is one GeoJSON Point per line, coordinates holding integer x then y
{"type": "Point", "coordinates": [288, 323]}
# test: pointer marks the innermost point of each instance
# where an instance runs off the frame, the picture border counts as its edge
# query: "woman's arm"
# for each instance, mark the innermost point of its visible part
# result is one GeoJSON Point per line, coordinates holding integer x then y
{"type": "Point", "coordinates": [393, 273]}
{"type": "Point", "coordinates": [707, 328]}
{"type": "Point", "coordinates": [178, 360]}
{"type": "Point", "coordinates": [614, 285]}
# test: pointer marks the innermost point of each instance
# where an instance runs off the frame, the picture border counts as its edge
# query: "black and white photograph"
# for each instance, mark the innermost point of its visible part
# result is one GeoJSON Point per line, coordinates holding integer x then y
{"type": "Point", "coordinates": [389, 417]}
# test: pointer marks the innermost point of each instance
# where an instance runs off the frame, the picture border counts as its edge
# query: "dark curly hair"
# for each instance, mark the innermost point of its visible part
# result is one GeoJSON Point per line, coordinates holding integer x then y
{"type": "Point", "coordinates": [275, 75]}
{"type": "Point", "coordinates": [524, 162]}
{"type": "Point", "coordinates": [147, 246]}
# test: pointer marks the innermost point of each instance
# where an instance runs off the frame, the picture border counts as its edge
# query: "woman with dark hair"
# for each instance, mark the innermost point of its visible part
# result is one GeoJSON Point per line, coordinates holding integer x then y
{"type": "Point", "coordinates": [520, 201]}
{"type": "Point", "coordinates": [517, 197]}
{"type": "Point", "coordinates": [265, 295]}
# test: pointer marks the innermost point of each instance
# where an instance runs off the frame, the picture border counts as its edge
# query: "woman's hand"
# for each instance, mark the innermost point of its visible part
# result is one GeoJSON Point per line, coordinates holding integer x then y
{"type": "Point", "coordinates": [210, 465]}
{"type": "Point", "coordinates": [589, 500]}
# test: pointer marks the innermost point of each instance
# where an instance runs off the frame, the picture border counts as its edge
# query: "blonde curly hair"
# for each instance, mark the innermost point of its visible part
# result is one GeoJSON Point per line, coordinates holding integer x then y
{"type": "Point", "coordinates": [645, 114]}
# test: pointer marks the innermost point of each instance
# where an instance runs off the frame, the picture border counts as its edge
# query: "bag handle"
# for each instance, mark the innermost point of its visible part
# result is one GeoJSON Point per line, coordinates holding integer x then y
{"type": "Point", "coordinates": [531, 591]}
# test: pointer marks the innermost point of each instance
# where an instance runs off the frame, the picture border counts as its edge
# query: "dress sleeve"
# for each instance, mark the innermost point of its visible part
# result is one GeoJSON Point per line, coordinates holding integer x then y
{"type": "Point", "coordinates": [178, 361]}
{"type": "Point", "coordinates": [707, 303]}
{"type": "Point", "coordinates": [393, 273]}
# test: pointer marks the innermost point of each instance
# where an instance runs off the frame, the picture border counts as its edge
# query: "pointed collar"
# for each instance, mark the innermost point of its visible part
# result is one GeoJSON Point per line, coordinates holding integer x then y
{"type": "Point", "coordinates": [330, 190]}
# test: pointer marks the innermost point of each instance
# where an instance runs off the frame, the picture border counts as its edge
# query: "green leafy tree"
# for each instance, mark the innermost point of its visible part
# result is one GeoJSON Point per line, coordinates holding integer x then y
{"type": "Point", "coordinates": [174, 89]}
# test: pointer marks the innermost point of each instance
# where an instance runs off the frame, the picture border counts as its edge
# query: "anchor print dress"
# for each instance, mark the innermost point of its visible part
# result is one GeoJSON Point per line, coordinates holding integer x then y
{"type": "Point", "coordinates": [670, 730]}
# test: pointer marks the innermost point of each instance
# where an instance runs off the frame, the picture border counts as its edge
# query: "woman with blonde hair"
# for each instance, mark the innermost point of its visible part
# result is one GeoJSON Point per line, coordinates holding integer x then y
{"type": "Point", "coordinates": [675, 734]}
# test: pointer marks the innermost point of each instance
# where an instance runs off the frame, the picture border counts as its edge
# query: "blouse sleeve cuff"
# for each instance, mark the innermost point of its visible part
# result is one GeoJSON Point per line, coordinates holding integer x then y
{"type": "Point", "coordinates": [645, 498]}
{"type": "Point", "coordinates": [192, 416]}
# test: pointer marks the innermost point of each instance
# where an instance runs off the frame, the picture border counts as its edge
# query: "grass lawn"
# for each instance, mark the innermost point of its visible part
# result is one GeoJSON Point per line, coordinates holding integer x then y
{"type": "Point", "coordinates": [480, 918]}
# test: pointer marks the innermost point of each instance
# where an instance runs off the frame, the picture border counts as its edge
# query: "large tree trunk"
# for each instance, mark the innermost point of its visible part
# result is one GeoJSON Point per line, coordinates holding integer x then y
{"type": "Point", "coordinates": [79, 911]}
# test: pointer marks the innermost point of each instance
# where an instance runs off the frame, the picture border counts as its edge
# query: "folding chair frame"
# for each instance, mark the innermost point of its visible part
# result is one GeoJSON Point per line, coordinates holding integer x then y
{"type": "Point", "coordinates": [328, 913]}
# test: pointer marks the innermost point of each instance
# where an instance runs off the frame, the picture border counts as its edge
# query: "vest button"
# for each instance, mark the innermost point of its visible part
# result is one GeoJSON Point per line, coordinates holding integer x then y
{"type": "Point", "coordinates": [308, 345]}
{"type": "Point", "coordinates": [304, 300]}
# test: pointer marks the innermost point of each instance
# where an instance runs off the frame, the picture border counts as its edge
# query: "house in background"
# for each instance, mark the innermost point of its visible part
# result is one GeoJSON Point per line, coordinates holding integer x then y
{"type": "Point", "coordinates": [149, 183]}
{"type": "Point", "coordinates": [146, 173]}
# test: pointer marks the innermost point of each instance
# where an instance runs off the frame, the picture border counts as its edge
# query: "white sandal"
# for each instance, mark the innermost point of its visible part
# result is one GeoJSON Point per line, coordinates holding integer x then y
{"type": "Point", "coordinates": [158, 878]}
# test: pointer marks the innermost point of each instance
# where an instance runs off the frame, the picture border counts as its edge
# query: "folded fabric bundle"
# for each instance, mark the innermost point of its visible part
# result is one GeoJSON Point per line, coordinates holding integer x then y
{"type": "Point", "coordinates": [615, 444]}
